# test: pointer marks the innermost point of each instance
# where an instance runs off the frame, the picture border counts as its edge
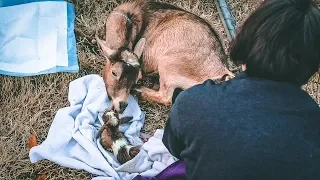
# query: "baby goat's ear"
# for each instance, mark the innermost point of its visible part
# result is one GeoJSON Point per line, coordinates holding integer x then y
{"type": "Point", "coordinates": [138, 49]}
{"type": "Point", "coordinates": [125, 119]}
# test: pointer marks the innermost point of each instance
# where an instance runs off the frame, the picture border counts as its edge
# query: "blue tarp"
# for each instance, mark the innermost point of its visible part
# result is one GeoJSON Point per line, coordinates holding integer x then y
{"type": "Point", "coordinates": [71, 40]}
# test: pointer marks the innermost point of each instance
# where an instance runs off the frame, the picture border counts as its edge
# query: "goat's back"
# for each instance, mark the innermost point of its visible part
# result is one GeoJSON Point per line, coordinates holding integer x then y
{"type": "Point", "coordinates": [183, 44]}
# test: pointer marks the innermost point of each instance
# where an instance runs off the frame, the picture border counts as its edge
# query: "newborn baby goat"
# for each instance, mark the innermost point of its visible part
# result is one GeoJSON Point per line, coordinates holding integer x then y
{"type": "Point", "coordinates": [113, 140]}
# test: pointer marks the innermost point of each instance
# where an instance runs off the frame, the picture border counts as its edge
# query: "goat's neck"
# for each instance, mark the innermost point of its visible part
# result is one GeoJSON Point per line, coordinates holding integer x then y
{"type": "Point", "coordinates": [125, 24]}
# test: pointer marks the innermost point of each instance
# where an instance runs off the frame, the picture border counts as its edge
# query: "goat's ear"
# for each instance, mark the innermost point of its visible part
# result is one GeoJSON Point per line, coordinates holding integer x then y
{"type": "Point", "coordinates": [103, 44]}
{"type": "Point", "coordinates": [130, 46]}
{"type": "Point", "coordinates": [138, 49]}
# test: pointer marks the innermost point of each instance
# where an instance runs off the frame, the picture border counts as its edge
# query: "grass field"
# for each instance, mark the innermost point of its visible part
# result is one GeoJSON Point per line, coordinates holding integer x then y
{"type": "Point", "coordinates": [28, 105]}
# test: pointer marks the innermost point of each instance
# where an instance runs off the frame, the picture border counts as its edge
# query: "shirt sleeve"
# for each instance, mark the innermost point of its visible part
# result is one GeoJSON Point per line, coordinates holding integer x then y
{"type": "Point", "coordinates": [172, 133]}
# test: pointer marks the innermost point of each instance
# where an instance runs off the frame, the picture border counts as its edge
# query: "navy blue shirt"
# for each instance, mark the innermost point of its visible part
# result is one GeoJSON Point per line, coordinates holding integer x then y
{"type": "Point", "coordinates": [246, 128]}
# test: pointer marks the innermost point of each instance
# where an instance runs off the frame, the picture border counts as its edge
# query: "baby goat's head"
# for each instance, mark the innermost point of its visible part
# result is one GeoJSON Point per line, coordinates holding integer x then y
{"type": "Point", "coordinates": [121, 72]}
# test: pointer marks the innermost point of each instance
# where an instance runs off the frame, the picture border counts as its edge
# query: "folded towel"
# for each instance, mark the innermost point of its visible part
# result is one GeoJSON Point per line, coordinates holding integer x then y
{"type": "Point", "coordinates": [71, 141]}
{"type": "Point", "coordinates": [29, 45]}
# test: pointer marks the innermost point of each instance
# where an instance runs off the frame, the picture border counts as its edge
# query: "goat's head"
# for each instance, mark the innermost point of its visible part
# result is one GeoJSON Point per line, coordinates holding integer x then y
{"type": "Point", "coordinates": [121, 72]}
{"type": "Point", "coordinates": [111, 118]}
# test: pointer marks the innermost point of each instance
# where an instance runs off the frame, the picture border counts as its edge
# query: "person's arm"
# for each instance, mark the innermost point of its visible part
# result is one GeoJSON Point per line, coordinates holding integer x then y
{"type": "Point", "coordinates": [172, 137]}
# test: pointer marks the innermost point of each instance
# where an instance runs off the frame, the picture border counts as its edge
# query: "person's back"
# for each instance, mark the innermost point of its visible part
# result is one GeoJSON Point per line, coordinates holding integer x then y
{"type": "Point", "coordinates": [261, 124]}
{"type": "Point", "coordinates": [247, 129]}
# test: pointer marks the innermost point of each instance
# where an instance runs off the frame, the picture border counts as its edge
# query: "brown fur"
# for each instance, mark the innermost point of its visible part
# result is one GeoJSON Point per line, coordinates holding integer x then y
{"type": "Point", "coordinates": [110, 134]}
{"type": "Point", "coordinates": [124, 156]}
{"type": "Point", "coordinates": [180, 46]}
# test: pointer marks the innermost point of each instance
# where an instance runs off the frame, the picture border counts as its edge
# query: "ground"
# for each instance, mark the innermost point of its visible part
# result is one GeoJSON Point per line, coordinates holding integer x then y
{"type": "Point", "coordinates": [28, 105]}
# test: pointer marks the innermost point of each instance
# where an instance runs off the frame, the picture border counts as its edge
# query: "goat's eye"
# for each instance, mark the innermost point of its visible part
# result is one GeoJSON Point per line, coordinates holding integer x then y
{"type": "Point", "coordinates": [114, 74]}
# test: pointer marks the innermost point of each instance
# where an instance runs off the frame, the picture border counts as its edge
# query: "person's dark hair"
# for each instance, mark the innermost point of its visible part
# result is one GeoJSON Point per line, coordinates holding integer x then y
{"type": "Point", "coordinates": [280, 41]}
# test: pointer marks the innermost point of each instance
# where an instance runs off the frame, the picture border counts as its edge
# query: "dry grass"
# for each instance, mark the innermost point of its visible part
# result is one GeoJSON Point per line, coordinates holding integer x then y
{"type": "Point", "coordinates": [28, 105]}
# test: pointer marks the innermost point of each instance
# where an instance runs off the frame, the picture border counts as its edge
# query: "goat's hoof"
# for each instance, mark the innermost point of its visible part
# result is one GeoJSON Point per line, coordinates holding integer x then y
{"type": "Point", "coordinates": [110, 150]}
{"type": "Point", "coordinates": [136, 86]}
{"type": "Point", "coordinates": [144, 139]}
{"type": "Point", "coordinates": [139, 89]}
{"type": "Point", "coordinates": [133, 152]}
{"type": "Point", "coordinates": [138, 94]}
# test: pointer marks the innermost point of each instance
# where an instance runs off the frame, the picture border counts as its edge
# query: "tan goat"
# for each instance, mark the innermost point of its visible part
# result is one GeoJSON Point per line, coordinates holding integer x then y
{"type": "Point", "coordinates": [178, 45]}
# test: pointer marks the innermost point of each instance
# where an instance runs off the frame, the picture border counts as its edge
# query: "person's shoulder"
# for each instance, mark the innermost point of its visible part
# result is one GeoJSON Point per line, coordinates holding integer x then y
{"type": "Point", "coordinates": [197, 93]}
{"type": "Point", "coordinates": [207, 85]}
{"type": "Point", "coordinates": [209, 91]}
{"type": "Point", "coordinates": [210, 86]}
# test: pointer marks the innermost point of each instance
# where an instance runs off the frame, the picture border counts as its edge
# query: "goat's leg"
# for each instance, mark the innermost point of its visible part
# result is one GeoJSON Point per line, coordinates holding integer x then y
{"type": "Point", "coordinates": [152, 82]}
{"type": "Point", "coordinates": [162, 96]}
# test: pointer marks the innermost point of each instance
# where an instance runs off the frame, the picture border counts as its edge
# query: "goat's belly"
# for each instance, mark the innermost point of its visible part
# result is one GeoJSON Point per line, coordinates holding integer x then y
{"type": "Point", "coordinates": [106, 140]}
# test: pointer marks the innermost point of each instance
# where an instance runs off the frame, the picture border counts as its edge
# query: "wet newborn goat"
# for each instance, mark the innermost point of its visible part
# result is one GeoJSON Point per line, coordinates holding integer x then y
{"type": "Point", "coordinates": [113, 140]}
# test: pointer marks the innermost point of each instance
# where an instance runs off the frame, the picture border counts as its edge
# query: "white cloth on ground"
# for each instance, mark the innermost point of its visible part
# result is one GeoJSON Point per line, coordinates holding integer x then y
{"type": "Point", "coordinates": [71, 141]}
{"type": "Point", "coordinates": [37, 38]}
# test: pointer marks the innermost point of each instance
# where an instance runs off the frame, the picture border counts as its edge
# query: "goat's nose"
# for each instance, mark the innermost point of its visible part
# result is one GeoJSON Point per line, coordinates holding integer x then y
{"type": "Point", "coordinates": [123, 106]}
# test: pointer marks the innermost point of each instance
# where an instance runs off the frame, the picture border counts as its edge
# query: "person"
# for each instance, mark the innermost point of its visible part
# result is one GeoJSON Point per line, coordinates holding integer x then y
{"type": "Point", "coordinates": [260, 124]}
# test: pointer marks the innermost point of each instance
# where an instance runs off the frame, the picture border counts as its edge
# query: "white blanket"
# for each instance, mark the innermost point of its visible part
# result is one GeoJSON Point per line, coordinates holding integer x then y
{"type": "Point", "coordinates": [71, 141]}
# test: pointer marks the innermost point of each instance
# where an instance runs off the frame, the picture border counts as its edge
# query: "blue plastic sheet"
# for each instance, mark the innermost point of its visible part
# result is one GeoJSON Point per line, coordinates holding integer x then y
{"type": "Point", "coordinates": [71, 41]}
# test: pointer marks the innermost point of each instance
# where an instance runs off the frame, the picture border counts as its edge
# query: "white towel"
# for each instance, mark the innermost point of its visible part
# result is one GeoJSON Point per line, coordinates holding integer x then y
{"type": "Point", "coordinates": [71, 141]}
